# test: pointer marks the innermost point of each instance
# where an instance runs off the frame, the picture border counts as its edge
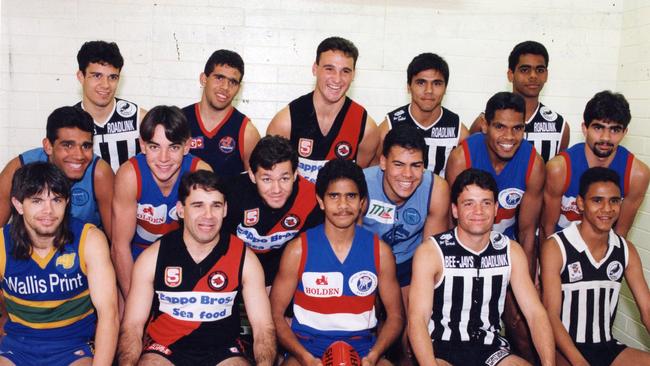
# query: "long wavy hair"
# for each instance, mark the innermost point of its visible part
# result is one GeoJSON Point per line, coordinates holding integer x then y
{"type": "Point", "coordinates": [31, 180]}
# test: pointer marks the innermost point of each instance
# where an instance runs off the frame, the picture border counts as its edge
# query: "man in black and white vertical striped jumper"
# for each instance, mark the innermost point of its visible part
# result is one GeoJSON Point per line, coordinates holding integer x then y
{"type": "Point", "coordinates": [582, 270]}
{"type": "Point", "coordinates": [459, 284]}
{"type": "Point", "coordinates": [117, 121]}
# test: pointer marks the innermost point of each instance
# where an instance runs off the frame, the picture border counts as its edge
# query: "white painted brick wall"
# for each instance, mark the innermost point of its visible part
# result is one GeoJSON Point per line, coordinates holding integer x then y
{"type": "Point", "coordinates": [634, 82]}
{"type": "Point", "coordinates": [593, 45]}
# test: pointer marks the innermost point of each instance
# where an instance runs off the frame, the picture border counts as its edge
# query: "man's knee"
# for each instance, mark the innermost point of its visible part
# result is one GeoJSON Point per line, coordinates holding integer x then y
{"type": "Point", "coordinates": [513, 360]}
{"type": "Point", "coordinates": [234, 361]}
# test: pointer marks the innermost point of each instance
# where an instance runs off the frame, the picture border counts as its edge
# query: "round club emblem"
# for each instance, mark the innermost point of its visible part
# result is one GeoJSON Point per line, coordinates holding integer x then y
{"type": "Point", "coordinates": [290, 221]}
{"type": "Point", "coordinates": [125, 109]}
{"type": "Point", "coordinates": [547, 114]}
{"type": "Point", "coordinates": [615, 270]}
{"type": "Point", "coordinates": [499, 240]}
{"type": "Point", "coordinates": [343, 149]}
{"type": "Point", "coordinates": [217, 280]}
{"type": "Point", "coordinates": [411, 216]}
{"type": "Point", "coordinates": [227, 144]}
{"type": "Point", "coordinates": [363, 283]}
{"type": "Point", "coordinates": [510, 198]}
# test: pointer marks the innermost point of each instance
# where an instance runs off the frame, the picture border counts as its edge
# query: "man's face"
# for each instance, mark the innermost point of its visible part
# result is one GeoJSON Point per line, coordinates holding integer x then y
{"type": "Point", "coordinates": [221, 86]}
{"type": "Point", "coordinates": [341, 203]}
{"type": "Point", "coordinates": [274, 185]}
{"type": "Point", "coordinates": [603, 137]}
{"type": "Point", "coordinates": [202, 214]}
{"type": "Point", "coordinates": [505, 133]}
{"type": "Point", "coordinates": [71, 152]}
{"type": "Point", "coordinates": [42, 213]}
{"type": "Point", "coordinates": [427, 89]}
{"type": "Point", "coordinates": [403, 169]}
{"type": "Point", "coordinates": [164, 157]}
{"type": "Point", "coordinates": [529, 76]}
{"type": "Point", "coordinates": [99, 83]}
{"type": "Point", "coordinates": [475, 210]}
{"type": "Point", "coordinates": [601, 205]}
{"type": "Point", "coordinates": [334, 74]}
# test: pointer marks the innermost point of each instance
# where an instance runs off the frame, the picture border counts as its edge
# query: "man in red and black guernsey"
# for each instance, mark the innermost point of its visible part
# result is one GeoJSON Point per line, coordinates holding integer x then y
{"type": "Point", "coordinates": [222, 136]}
{"type": "Point", "coordinates": [273, 204]}
{"type": "Point", "coordinates": [325, 124]}
{"type": "Point", "coordinates": [188, 286]}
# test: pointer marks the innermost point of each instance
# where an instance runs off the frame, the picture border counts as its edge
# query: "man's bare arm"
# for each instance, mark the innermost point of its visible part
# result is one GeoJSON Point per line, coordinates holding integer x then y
{"type": "Point", "coordinates": [427, 266]}
{"type": "Point", "coordinates": [556, 171]}
{"type": "Point", "coordinates": [369, 142]}
{"type": "Point", "coordinates": [251, 137]}
{"type": "Point", "coordinates": [103, 181]}
{"type": "Point", "coordinates": [566, 136]}
{"type": "Point", "coordinates": [464, 133]}
{"type": "Point", "coordinates": [103, 294]}
{"type": "Point", "coordinates": [258, 310]}
{"type": "Point", "coordinates": [124, 222]}
{"type": "Point", "coordinates": [138, 307]}
{"type": "Point", "coordinates": [438, 217]}
{"type": "Point", "coordinates": [552, 264]}
{"type": "Point", "coordinates": [455, 165]}
{"type": "Point", "coordinates": [531, 306]}
{"type": "Point", "coordinates": [280, 124]}
{"type": "Point", "coordinates": [640, 175]}
{"type": "Point", "coordinates": [479, 124]}
{"type": "Point", "coordinates": [284, 286]}
{"type": "Point", "coordinates": [638, 285]}
{"type": "Point", "coordinates": [6, 176]}
{"type": "Point", "coordinates": [389, 292]}
{"type": "Point", "coordinates": [383, 129]}
{"type": "Point", "coordinates": [529, 212]}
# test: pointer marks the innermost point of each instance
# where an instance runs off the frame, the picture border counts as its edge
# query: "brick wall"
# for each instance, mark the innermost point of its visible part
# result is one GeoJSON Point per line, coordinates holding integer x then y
{"type": "Point", "coordinates": [634, 82]}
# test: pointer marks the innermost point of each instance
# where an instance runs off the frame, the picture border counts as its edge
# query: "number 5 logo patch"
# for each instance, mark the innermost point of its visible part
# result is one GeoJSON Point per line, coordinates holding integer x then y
{"type": "Point", "coordinates": [173, 276]}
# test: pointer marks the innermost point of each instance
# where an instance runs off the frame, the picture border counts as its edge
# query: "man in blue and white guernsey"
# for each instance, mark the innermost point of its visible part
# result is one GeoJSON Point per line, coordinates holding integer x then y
{"type": "Point", "coordinates": [58, 283]}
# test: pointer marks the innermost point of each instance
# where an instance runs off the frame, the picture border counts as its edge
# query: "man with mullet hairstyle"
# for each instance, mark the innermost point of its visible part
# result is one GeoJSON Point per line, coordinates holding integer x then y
{"type": "Point", "coordinates": [58, 283]}
{"type": "Point", "coordinates": [325, 124]}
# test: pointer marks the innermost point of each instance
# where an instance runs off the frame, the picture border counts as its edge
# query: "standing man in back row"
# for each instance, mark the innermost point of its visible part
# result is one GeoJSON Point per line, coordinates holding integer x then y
{"type": "Point", "coordinates": [116, 120]}
{"type": "Point", "coordinates": [221, 135]}
{"type": "Point", "coordinates": [325, 124]}
{"type": "Point", "coordinates": [528, 72]}
{"type": "Point", "coordinates": [427, 77]}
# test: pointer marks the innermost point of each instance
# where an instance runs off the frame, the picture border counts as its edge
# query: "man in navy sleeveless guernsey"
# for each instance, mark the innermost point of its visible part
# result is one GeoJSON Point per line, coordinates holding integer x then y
{"type": "Point", "coordinates": [528, 71]}
{"type": "Point", "coordinates": [221, 135]}
{"type": "Point", "coordinates": [582, 270]}
{"type": "Point", "coordinates": [58, 282]}
{"type": "Point", "coordinates": [272, 203]}
{"type": "Point", "coordinates": [333, 273]}
{"type": "Point", "coordinates": [116, 120]}
{"type": "Point", "coordinates": [69, 145]}
{"type": "Point", "coordinates": [427, 78]}
{"type": "Point", "coordinates": [189, 283]}
{"type": "Point", "coordinates": [606, 118]}
{"type": "Point", "coordinates": [146, 187]}
{"type": "Point", "coordinates": [325, 124]}
{"type": "Point", "coordinates": [459, 286]}
{"type": "Point", "coordinates": [519, 172]}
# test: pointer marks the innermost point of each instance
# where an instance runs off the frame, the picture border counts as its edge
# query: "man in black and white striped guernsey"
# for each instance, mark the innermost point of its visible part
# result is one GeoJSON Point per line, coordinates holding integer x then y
{"type": "Point", "coordinates": [582, 270]}
{"type": "Point", "coordinates": [459, 283]}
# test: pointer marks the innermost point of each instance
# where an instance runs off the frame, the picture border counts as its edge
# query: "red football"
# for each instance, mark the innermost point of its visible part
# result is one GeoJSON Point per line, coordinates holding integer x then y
{"type": "Point", "coordinates": [340, 353]}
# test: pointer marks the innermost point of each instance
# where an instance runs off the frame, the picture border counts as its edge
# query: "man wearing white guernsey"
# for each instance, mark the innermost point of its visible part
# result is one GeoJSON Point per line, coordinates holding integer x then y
{"type": "Point", "coordinates": [582, 270]}
{"type": "Point", "coordinates": [459, 283]}
{"type": "Point", "coordinates": [116, 120]}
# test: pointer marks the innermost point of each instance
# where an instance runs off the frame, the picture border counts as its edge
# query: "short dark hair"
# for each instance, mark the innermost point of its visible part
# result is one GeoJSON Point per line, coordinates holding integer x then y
{"type": "Point", "coordinates": [407, 137]}
{"type": "Point", "coordinates": [272, 150]}
{"type": "Point", "coordinates": [203, 179]}
{"type": "Point", "coordinates": [608, 106]}
{"type": "Point", "coordinates": [596, 175]}
{"type": "Point", "coordinates": [224, 57]}
{"type": "Point", "coordinates": [338, 44]}
{"type": "Point", "coordinates": [99, 52]}
{"type": "Point", "coordinates": [504, 100]}
{"type": "Point", "coordinates": [28, 181]}
{"type": "Point", "coordinates": [177, 129]}
{"type": "Point", "coordinates": [427, 61]}
{"type": "Point", "coordinates": [337, 169]}
{"type": "Point", "coordinates": [524, 48]}
{"type": "Point", "coordinates": [68, 117]}
{"type": "Point", "coordinates": [477, 177]}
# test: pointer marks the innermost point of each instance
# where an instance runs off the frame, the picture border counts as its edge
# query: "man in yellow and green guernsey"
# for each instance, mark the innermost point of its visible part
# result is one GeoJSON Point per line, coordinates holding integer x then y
{"type": "Point", "coordinates": [58, 283]}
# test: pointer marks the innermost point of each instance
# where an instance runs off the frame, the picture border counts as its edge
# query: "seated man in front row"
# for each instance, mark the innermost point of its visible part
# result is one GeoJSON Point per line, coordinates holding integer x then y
{"type": "Point", "coordinates": [582, 269]}
{"type": "Point", "coordinates": [189, 284]}
{"type": "Point", "coordinates": [459, 286]}
{"type": "Point", "coordinates": [58, 283]}
{"type": "Point", "coordinates": [333, 273]}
